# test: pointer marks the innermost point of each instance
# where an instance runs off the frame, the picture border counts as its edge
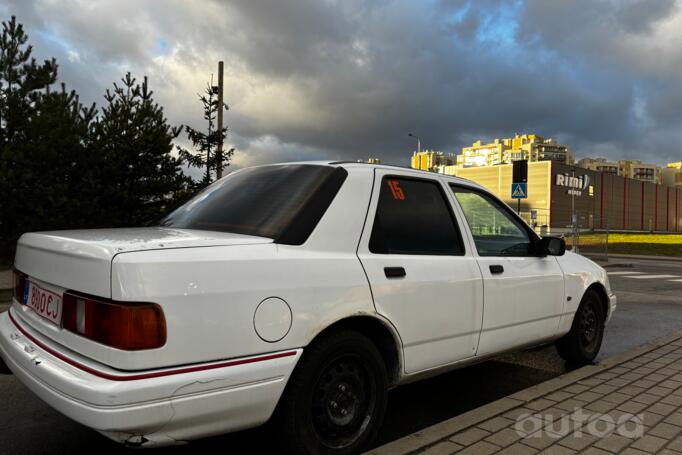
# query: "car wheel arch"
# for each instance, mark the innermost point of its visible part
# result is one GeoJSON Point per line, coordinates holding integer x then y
{"type": "Point", "coordinates": [600, 289]}
{"type": "Point", "coordinates": [380, 332]}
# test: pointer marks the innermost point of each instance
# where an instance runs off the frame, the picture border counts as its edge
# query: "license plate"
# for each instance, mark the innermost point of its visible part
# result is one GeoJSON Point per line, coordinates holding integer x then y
{"type": "Point", "coordinates": [46, 303]}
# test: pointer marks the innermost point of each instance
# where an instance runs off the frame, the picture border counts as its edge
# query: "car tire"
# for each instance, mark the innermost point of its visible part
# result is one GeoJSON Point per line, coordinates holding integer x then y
{"type": "Point", "coordinates": [581, 345]}
{"type": "Point", "coordinates": [335, 400]}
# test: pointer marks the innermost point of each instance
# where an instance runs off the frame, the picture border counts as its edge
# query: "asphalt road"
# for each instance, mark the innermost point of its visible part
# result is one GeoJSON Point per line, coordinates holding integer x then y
{"type": "Point", "coordinates": [649, 307]}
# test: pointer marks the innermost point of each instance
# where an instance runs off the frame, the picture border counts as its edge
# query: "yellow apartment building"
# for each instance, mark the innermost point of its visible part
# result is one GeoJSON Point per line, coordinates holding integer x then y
{"type": "Point", "coordinates": [529, 147]}
{"type": "Point", "coordinates": [600, 165]}
{"type": "Point", "coordinates": [672, 175]}
{"type": "Point", "coordinates": [633, 169]}
{"type": "Point", "coordinates": [637, 170]}
{"type": "Point", "coordinates": [430, 160]}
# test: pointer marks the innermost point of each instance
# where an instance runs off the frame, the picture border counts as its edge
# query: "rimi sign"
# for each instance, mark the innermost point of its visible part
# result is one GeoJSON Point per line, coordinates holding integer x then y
{"type": "Point", "coordinates": [575, 184]}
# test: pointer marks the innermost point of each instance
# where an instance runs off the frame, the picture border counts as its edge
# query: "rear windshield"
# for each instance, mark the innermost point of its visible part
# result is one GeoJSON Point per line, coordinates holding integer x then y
{"type": "Point", "coordinates": [282, 202]}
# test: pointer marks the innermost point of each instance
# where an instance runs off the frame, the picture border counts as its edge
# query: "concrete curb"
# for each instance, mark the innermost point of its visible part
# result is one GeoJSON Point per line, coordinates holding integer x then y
{"type": "Point", "coordinates": [635, 257]}
{"type": "Point", "coordinates": [420, 440]}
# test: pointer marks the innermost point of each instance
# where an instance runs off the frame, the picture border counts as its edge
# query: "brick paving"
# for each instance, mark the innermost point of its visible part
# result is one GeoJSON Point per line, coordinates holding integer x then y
{"type": "Point", "coordinates": [629, 404]}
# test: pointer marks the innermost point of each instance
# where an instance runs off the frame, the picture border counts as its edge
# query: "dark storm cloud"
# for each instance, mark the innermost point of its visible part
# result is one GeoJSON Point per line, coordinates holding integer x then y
{"type": "Point", "coordinates": [349, 79]}
{"type": "Point", "coordinates": [640, 16]}
{"type": "Point", "coordinates": [633, 44]}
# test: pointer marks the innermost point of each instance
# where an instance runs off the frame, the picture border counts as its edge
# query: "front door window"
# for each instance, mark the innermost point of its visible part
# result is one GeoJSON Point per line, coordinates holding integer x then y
{"type": "Point", "coordinates": [496, 231]}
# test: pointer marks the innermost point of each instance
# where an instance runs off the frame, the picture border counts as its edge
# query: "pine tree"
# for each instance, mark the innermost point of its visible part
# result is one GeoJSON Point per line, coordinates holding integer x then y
{"type": "Point", "coordinates": [61, 166]}
{"type": "Point", "coordinates": [23, 87]}
{"type": "Point", "coordinates": [206, 143]}
{"type": "Point", "coordinates": [59, 177]}
{"type": "Point", "coordinates": [22, 81]}
{"type": "Point", "coordinates": [139, 177]}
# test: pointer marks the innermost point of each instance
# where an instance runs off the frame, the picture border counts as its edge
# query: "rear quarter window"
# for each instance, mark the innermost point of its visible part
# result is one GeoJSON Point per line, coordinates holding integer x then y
{"type": "Point", "coordinates": [281, 202]}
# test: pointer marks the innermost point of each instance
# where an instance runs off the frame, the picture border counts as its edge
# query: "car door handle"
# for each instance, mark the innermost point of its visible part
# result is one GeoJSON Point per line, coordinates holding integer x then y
{"type": "Point", "coordinates": [394, 272]}
{"type": "Point", "coordinates": [496, 269]}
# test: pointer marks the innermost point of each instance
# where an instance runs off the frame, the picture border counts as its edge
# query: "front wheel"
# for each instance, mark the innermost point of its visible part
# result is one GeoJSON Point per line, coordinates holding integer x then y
{"type": "Point", "coordinates": [581, 345]}
{"type": "Point", "coordinates": [335, 400]}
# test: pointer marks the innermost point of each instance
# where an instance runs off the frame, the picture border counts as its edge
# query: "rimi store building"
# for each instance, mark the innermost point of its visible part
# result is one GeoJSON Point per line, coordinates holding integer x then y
{"type": "Point", "coordinates": [601, 200]}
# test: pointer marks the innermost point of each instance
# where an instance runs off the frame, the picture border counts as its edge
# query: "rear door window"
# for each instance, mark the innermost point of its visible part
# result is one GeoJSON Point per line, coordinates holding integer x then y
{"type": "Point", "coordinates": [413, 216]}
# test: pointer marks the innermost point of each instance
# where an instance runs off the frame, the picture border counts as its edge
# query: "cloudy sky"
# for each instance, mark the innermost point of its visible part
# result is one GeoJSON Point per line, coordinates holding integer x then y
{"type": "Point", "coordinates": [348, 79]}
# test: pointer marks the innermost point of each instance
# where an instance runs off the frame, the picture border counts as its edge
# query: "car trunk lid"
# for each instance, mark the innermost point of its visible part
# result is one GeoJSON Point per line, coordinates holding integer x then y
{"type": "Point", "coordinates": [80, 260]}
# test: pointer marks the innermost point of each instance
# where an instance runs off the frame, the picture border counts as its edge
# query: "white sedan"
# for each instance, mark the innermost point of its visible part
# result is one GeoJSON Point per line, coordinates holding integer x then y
{"type": "Point", "coordinates": [297, 292]}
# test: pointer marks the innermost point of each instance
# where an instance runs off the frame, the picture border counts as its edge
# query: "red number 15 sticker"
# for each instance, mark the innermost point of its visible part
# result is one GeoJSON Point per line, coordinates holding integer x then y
{"type": "Point", "coordinates": [396, 191]}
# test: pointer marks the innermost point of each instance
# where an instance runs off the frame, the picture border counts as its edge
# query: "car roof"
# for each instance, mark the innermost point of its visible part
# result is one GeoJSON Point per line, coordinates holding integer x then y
{"type": "Point", "coordinates": [391, 167]}
{"type": "Point", "coordinates": [387, 167]}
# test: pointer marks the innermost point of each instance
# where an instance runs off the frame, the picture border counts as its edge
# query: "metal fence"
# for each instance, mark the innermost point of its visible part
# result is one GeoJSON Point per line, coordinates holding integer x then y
{"type": "Point", "coordinates": [594, 237]}
{"type": "Point", "coordinates": [587, 239]}
{"type": "Point", "coordinates": [537, 219]}
{"type": "Point", "coordinates": [583, 237]}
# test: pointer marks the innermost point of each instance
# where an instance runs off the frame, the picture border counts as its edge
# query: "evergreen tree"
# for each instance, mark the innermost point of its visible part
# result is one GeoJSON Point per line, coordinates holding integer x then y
{"type": "Point", "coordinates": [59, 188]}
{"type": "Point", "coordinates": [206, 143]}
{"type": "Point", "coordinates": [61, 166]}
{"type": "Point", "coordinates": [139, 178]}
{"type": "Point", "coordinates": [23, 86]}
{"type": "Point", "coordinates": [22, 81]}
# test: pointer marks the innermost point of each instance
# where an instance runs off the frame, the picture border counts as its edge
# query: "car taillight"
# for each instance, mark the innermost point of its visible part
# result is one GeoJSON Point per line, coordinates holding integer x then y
{"type": "Point", "coordinates": [129, 326]}
{"type": "Point", "coordinates": [19, 284]}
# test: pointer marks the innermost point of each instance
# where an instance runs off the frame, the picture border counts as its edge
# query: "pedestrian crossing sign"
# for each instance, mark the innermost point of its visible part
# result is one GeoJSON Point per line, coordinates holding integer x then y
{"type": "Point", "coordinates": [519, 190]}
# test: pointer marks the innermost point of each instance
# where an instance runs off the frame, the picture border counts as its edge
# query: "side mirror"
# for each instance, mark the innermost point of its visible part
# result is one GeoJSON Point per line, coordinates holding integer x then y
{"type": "Point", "coordinates": [552, 246]}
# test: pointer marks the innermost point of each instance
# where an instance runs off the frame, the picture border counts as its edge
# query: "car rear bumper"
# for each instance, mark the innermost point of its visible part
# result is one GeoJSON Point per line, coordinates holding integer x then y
{"type": "Point", "coordinates": [157, 407]}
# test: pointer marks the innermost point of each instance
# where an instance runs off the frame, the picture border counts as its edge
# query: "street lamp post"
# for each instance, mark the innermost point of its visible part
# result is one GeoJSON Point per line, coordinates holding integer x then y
{"type": "Point", "coordinates": [419, 143]}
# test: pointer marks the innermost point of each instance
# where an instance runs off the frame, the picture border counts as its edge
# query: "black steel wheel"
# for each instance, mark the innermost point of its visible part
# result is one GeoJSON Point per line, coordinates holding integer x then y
{"type": "Point", "coordinates": [581, 345]}
{"type": "Point", "coordinates": [344, 401]}
{"type": "Point", "coordinates": [335, 400]}
{"type": "Point", "coordinates": [589, 327]}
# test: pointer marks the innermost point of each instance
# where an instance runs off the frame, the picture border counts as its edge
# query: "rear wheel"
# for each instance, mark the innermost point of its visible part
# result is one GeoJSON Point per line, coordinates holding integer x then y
{"type": "Point", "coordinates": [581, 345]}
{"type": "Point", "coordinates": [336, 398]}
